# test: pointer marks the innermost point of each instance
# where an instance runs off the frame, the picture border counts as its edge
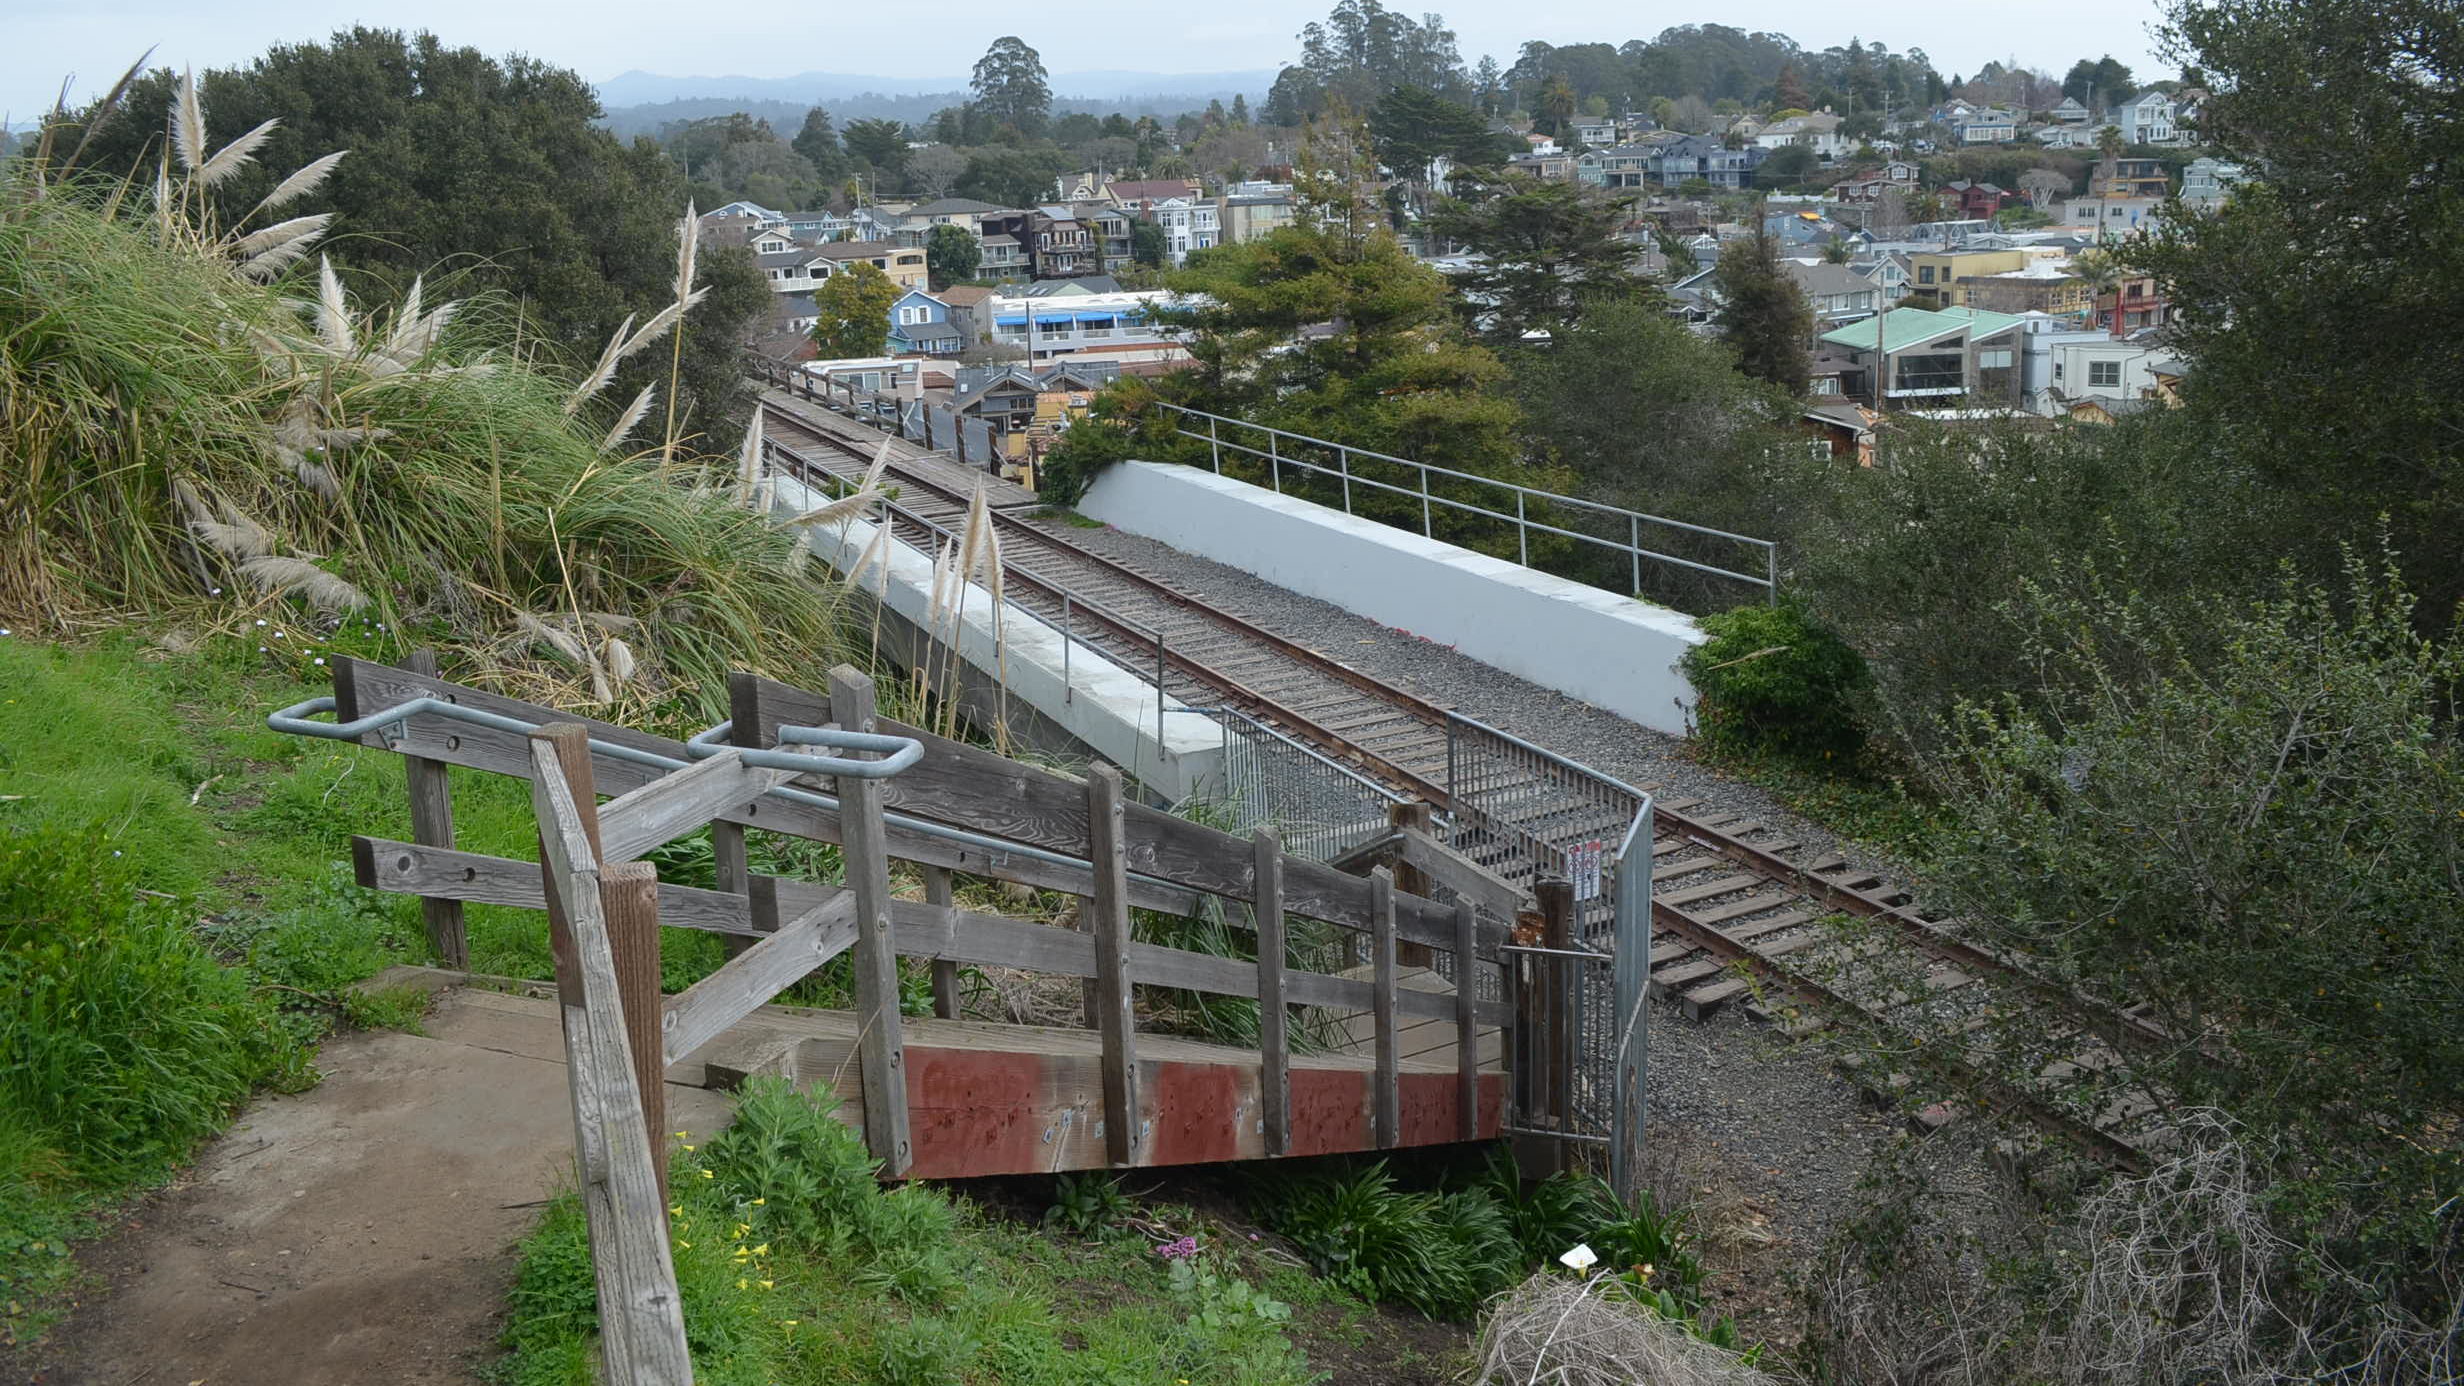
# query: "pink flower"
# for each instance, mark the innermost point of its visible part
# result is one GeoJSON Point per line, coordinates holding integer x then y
{"type": "Point", "coordinates": [1181, 1250]}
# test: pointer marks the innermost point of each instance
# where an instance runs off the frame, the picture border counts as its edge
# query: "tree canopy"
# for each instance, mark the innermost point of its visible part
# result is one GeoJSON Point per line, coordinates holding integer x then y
{"type": "Point", "coordinates": [1763, 314]}
{"type": "Point", "coordinates": [488, 168]}
{"type": "Point", "coordinates": [1010, 87]}
{"type": "Point", "coordinates": [1543, 247]}
{"type": "Point", "coordinates": [854, 307]}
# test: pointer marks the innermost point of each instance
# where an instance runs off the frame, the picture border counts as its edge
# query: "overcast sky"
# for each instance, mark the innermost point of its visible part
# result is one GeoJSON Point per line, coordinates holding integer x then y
{"type": "Point", "coordinates": [95, 39]}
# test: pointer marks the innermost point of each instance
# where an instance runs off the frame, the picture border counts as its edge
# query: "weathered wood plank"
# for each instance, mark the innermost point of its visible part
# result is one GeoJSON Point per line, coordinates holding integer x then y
{"type": "Point", "coordinates": [1274, 1017]}
{"type": "Point", "coordinates": [748, 981]}
{"type": "Point", "coordinates": [867, 867]}
{"type": "Point", "coordinates": [971, 787]}
{"type": "Point", "coordinates": [1467, 1017]}
{"type": "Point", "coordinates": [924, 930]}
{"type": "Point", "coordinates": [945, 972]}
{"type": "Point", "coordinates": [482, 748]}
{"type": "Point", "coordinates": [1108, 920]}
{"type": "Point", "coordinates": [665, 809]}
{"type": "Point", "coordinates": [640, 1313]}
{"type": "Point", "coordinates": [1462, 875]}
{"type": "Point", "coordinates": [1386, 1110]}
{"type": "Point", "coordinates": [629, 900]}
{"type": "Point", "coordinates": [431, 792]}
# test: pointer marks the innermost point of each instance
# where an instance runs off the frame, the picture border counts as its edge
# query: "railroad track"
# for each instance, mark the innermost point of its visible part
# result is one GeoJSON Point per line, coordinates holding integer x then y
{"type": "Point", "coordinates": [1741, 914]}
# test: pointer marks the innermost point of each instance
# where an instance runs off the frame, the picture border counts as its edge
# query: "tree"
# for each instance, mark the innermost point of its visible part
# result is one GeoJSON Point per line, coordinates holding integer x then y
{"type": "Point", "coordinates": [1240, 109]}
{"type": "Point", "coordinates": [817, 141]}
{"type": "Point", "coordinates": [934, 169]}
{"type": "Point", "coordinates": [1413, 126]}
{"type": "Point", "coordinates": [1542, 247]}
{"type": "Point", "coordinates": [2292, 295]}
{"type": "Point", "coordinates": [1556, 106]}
{"type": "Point", "coordinates": [854, 307]}
{"type": "Point", "coordinates": [880, 144]}
{"type": "Point", "coordinates": [1147, 245]}
{"type": "Point", "coordinates": [493, 166]}
{"type": "Point", "coordinates": [950, 254]}
{"type": "Point", "coordinates": [1764, 317]}
{"type": "Point", "coordinates": [1788, 90]}
{"type": "Point", "coordinates": [2042, 186]}
{"type": "Point", "coordinates": [2099, 83]}
{"type": "Point", "coordinates": [1011, 177]}
{"type": "Point", "coordinates": [1790, 163]}
{"type": "Point", "coordinates": [1010, 87]}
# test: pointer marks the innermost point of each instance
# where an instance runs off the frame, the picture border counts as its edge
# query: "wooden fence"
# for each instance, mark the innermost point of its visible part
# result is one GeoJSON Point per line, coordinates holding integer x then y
{"type": "Point", "coordinates": [957, 810]}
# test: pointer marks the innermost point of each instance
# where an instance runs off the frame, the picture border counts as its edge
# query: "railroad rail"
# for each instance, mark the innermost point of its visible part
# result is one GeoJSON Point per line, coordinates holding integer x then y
{"type": "Point", "coordinates": [1740, 913]}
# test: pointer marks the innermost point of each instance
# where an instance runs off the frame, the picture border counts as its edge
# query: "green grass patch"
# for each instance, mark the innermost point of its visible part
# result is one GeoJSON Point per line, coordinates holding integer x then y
{"type": "Point", "coordinates": [796, 1266]}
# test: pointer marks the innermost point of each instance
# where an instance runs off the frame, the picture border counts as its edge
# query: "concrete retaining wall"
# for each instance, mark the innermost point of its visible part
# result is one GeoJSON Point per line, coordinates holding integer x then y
{"type": "Point", "coordinates": [1611, 651]}
{"type": "Point", "coordinates": [1101, 708]}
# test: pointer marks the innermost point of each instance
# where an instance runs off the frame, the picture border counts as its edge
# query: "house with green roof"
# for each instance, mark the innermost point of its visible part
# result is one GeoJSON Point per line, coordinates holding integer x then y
{"type": "Point", "coordinates": [1912, 358]}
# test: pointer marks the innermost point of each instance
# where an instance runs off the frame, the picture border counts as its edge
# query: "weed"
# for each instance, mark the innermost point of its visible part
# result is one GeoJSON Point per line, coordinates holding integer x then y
{"type": "Point", "coordinates": [1089, 1204]}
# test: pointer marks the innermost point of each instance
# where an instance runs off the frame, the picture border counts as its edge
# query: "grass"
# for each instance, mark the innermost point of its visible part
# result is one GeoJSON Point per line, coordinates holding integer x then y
{"type": "Point", "coordinates": [796, 1266]}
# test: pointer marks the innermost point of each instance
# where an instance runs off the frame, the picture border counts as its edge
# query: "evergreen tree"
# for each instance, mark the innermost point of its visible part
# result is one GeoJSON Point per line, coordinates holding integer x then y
{"type": "Point", "coordinates": [1788, 91]}
{"type": "Point", "coordinates": [818, 143]}
{"type": "Point", "coordinates": [882, 145]}
{"type": "Point", "coordinates": [494, 166]}
{"type": "Point", "coordinates": [1544, 248]}
{"type": "Point", "coordinates": [1764, 317]}
{"type": "Point", "coordinates": [1010, 87]}
{"type": "Point", "coordinates": [1240, 109]}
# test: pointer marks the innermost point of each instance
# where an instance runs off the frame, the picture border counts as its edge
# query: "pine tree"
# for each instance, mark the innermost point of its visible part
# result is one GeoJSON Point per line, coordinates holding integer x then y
{"type": "Point", "coordinates": [1764, 317]}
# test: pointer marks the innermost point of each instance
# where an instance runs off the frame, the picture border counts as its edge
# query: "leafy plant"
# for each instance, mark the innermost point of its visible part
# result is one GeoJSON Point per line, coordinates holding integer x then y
{"type": "Point", "coordinates": [1772, 678]}
{"type": "Point", "coordinates": [1443, 1254]}
{"type": "Point", "coordinates": [1088, 1204]}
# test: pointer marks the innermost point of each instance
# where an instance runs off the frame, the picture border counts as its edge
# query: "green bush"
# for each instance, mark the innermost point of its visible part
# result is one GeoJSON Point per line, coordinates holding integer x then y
{"type": "Point", "coordinates": [1771, 678]}
{"type": "Point", "coordinates": [1442, 1254]}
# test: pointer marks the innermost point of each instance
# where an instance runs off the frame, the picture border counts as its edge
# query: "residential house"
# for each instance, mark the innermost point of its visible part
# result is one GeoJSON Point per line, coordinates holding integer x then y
{"type": "Point", "coordinates": [795, 313]}
{"type": "Point", "coordinates": [2045, 287]}
{"type": "Point", "coordinates": [1836, 293]}
{"type": "Point", "coordinates": [964, 306]}
{"type": "Point", "coordinates": [1818, 132]}
{"type": "Point", "coordinates": [903, 263]}
{"type": "Point", "coordinates": [1935, 275]}
{"type": "Point", "coordinates": [1691, 157]}
{"type": "Point", "coordinates": [2065, 366]}
{"type": "Point", "coordinates": [1843, 429]}
{"type": "Point", "coordinates": [2134, 303]}
{"type": "Point", "coordinates": [1968, 201]}
{"type": "Point", "coordinates": [1554, 164]}
{"type": "Point", "coordinates": [1021, 403]}
{"type": "Point", "coordinates": [2148, 118]}
{"type": "Point", "coordinates": [1244, 218]}
{"type": "Point", "coordinates": [1887, 271]}
{"type": "Point", "coordinates": [1048, 242]}
{"type": "Point", "coordinates": [920, 325]}
{"type": "Point", "coordinates": [1189, 224]}
{"type": "Point", "coordinates": [2140, 178]}
{"type": "Point", "coordinates": [2070, 112]}
{"type": "Point", "coordinates": [1115, 248]}
{"type": "Point", "coordinates": [1987, 126]}
{"type": "Point", "coordinates": [1596, 132]}
{"type": "Point", "coordinates": [797, 270]}
{"type": "Point", "coordinates": [1625, 166]}
{"type": "Point", "coordinates": [1143, 193]}
{"type": "Point", "coordinates": [2112, 217]}
{"type": "Point", "coordinates": [2208, 182]}
{"type": "Point", "coordinates": [1005, 258]}
{"type": "Point", "coordinates": [884, 375]}
{"type": "Point", "coordinates": [1915, 358]}
{"type": "Point", "coordinates": [814, 228]}
{"type": "Point", "coordinates": [2066, 137]}
{"type": "Point", "coordinates": [916, 225]}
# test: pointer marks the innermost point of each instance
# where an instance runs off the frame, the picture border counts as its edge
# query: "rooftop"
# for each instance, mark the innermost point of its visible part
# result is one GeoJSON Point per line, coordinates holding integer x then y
{"type": "Point", "coordinates": [1903, 328]}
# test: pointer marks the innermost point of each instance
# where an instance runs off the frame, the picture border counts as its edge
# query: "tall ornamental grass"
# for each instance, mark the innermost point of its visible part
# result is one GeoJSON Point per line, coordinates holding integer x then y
{"type": "Point", "coordinates": [186, 444]}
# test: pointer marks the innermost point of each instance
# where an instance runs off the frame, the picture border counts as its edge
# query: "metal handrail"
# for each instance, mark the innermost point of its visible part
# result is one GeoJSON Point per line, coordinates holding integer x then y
{"type": "Point", "coordinates": [1576, 768]}
{"type": "Point", "coordinates": [903, 751]}
{"type": "Point", "coordinates": [1276, 458]}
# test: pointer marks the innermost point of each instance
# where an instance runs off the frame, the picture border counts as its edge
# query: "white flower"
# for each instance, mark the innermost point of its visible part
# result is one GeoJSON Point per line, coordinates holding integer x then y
{"type": "Point", "coordinates": [1581, 1258]}
{"type": "Point", "coordinates": [320, 659]}
{"type": "Point", "coordinates": [277, 634]}
{"type": "Point", "coordinates": [215, 592]}
{"type": "Point", "coordinates": [260, 620]}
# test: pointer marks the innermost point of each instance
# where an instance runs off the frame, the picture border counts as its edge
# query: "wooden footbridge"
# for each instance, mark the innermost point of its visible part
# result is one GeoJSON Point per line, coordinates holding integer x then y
{"type": "Point", "coordinates": [1442, 1032]}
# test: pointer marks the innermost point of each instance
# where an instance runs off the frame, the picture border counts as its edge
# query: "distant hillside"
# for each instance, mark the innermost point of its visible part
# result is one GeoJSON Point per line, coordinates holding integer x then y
{"type": "Point", "coordinates": [638, 103]}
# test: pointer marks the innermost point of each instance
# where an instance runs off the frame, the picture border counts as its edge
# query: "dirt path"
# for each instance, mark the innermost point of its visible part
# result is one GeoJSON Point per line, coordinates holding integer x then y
{"type": "Point", "coordinates": [358, 1232]}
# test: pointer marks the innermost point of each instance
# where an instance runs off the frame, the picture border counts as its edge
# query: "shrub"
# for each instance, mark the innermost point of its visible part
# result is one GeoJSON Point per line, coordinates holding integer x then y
{"type": "Point", "coordinates": [1771, 678]}
{"type": "Point", "coordinates": [1442, 1254]}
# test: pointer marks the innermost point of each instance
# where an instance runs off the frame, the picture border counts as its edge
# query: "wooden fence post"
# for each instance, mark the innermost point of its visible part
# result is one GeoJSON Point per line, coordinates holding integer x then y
{"type": "Point", "coordinates": [945, 972]}
{"type": "Point", "coordinates": [879, 1043]}
{"type": "Point", "coordinates": [1416, 816]}
{"type": "Point", "coordinates": [1466, 1019]}
{"type": "Point", "coordinates": [571, 742]}
{"type": "Point", "coordinates": [1109, 906]}
{"type": "Point", "coordinates": [629, 897]}
{"type": "Point", "coordinates": [432, 826]}
{"type": "Point", "coordinates": [1274, 1017]}
{"type": "Point", "coordinates": [1385, 1102]}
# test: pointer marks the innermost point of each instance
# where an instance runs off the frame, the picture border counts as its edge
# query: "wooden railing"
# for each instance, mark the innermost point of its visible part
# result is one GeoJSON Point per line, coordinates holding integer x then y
{"type": "Point", "coordinates": [956, 810]}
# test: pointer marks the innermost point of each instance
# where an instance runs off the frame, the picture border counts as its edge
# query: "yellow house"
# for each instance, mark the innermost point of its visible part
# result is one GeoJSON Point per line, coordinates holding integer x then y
{"type": "Point", "coordinates": [903, 263]}
{"type": "Point", "coordinates": [1935, 274]}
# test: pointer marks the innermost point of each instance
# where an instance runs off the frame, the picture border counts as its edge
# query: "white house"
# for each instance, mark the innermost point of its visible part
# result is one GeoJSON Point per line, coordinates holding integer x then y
{"type": "Point", "coordinates": [2148, 118]}
{"type": "Point", "coordinates": [1189, 224]}
{"type": "Point", "coordinates": [2061, 366]}
{"type": "Point", "coordinates": [2207, 182]}
{"type": "Point", "coordinates": [2112, 216]}
{"type": "Point", "coordinates": [1818, 132]}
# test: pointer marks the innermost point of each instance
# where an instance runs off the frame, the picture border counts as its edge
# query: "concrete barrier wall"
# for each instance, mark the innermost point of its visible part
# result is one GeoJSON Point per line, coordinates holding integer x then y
{"type": "Point", "coordinates": [1100, 706]}
{"type": "Point", "coordinates": [1611, 651]}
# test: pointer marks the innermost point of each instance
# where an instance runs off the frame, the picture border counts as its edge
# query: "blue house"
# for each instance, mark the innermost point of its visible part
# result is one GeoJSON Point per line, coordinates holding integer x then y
{"type": "Point", "coordinates": [920, 324]}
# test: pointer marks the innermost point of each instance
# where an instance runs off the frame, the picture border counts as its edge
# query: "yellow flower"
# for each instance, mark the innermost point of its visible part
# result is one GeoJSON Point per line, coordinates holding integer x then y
{"type": "Point", "coordinates": [682, 1134]}
{"type": "Point", "coordinates": [759, 1201]}
{"type": "Point", "coordinates": [769, 1284]}
{"type": "Point", "coordinates": [762, 1250]}
{"type": "Point", "coordinates": [743, 1284]}
{"type": "Point", "coordinates": [675, 1210]}
{"type": "Point", "coordinates": [790, 1323]}
{"type": "Point", "coordinates": [692, 1147]}
{"type": "Point", "coordinates": [708, 1175]}
{"type": "Point", "coordinates": [683, 1245]}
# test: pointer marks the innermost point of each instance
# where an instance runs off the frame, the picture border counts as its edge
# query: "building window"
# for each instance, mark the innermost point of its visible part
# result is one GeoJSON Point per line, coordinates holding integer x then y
{"type": "Point", "coordinates": [2104, 374]}
{"type": "Point", "coordinates": [1997, 359]}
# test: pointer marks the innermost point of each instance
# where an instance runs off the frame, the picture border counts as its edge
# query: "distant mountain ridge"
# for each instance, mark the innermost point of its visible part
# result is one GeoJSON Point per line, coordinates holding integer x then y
{"type": "Point", "coordinates": [638, 88]}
